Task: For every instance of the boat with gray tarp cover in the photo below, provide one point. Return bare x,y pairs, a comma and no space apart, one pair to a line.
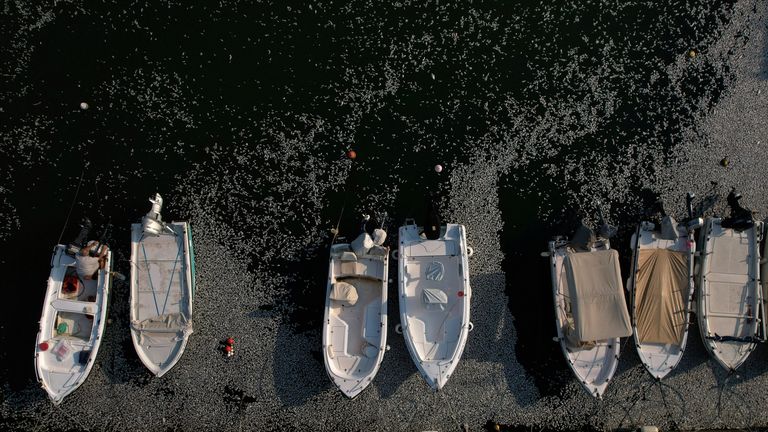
730,298
162,287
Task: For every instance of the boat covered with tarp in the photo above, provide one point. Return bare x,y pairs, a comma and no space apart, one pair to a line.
730,298
661,286
590,307
162,287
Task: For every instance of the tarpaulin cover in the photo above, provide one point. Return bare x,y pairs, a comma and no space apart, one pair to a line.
344,293
434,296
597,295
660,288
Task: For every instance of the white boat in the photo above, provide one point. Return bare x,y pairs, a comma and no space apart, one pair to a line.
730,298
355,323
162,287
71,326
434,299
591,312
661,286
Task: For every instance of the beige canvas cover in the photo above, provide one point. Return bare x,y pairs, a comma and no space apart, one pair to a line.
344,293
662,280
597,295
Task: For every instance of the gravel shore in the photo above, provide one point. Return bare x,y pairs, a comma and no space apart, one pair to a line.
260,208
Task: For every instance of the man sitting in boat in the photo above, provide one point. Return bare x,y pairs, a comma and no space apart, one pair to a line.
89,264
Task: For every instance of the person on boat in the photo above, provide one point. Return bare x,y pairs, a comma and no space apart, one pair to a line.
88,264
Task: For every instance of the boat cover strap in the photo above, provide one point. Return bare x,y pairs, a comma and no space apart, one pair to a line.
718,338
661,282
597,295
163,323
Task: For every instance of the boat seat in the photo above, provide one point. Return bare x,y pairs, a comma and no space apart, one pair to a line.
344,293
348,256
364,268
74,306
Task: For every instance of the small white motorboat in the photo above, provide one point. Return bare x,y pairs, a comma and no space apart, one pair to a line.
730,298
434,298
661,286
590,308
73,319
355,324
162,287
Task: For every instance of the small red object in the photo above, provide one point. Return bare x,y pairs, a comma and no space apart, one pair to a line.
461,293
228,348
43,346
230,341
352,154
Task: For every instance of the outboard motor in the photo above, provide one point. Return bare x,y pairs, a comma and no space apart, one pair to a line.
95,252
669,228
152,223
692,223
583,238
740,218
85,228
668,223
606,230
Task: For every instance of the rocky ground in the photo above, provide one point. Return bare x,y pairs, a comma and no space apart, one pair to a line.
241,115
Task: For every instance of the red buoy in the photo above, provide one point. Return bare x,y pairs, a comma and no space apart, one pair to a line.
228,348
352,154
461,293
43,346
230,341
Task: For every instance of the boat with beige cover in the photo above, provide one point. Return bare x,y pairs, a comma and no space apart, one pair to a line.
661,286
355,323
590,308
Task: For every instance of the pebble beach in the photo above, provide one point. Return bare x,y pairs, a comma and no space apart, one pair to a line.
242,116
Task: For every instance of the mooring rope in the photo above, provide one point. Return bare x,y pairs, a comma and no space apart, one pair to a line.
72,206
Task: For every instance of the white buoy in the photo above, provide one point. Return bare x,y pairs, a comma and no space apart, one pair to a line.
438,168
83,105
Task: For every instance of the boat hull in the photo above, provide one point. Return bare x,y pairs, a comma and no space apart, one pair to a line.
70,354
162,287
355,335
729,297
435,323
595,366
660,359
